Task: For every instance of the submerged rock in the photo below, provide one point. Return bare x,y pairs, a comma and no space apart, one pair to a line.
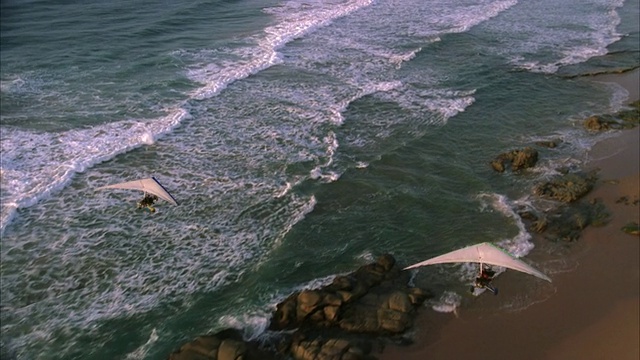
549,144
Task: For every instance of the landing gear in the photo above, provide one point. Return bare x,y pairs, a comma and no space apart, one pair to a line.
493,289
483,281
147,202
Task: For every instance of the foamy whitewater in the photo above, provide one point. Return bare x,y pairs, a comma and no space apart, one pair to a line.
302,139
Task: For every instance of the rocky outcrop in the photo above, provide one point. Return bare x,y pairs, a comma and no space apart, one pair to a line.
630,117
567,221
603,72
566,188
373,299
597,123
225,345
339,321
623,119
517,159
319,348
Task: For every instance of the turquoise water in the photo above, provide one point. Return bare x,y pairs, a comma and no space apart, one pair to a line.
301,139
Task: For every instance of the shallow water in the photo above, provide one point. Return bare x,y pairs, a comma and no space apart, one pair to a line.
301,139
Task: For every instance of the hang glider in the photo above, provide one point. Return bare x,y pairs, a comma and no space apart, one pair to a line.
149,186
484,253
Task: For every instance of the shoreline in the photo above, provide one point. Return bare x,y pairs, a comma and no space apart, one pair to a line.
590,311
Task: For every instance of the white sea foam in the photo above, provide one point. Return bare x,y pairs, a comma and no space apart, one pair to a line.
251,325
293,20
444,103
519,245
314,284
54,159
78,286
474,15
559,38
366,257
36,164
141,352
96,274
619,97
448,302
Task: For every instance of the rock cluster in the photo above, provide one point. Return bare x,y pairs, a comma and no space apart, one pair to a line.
342,320
623,119
339,321
319,348
369,300
566,188
565,222
518,159
225,345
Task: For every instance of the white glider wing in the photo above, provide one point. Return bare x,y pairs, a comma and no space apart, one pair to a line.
150,185
484,253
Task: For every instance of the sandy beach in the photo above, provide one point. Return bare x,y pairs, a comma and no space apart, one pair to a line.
591,311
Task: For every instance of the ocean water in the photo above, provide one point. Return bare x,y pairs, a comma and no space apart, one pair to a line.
301,138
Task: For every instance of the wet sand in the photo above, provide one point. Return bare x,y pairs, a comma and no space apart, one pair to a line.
590,311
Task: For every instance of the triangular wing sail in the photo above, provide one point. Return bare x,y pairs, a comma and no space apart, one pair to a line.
485,253
150,185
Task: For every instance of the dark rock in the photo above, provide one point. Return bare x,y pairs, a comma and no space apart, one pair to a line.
566,188
549,144
335,303
623,199
385,313
596,123
523,159
387,262
399,301
224,345
232,349
329,323
342,283
566,222
630,118
632,229
417,296
393,321
319,348
331,313
517,159
308,301
498,165
623,119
